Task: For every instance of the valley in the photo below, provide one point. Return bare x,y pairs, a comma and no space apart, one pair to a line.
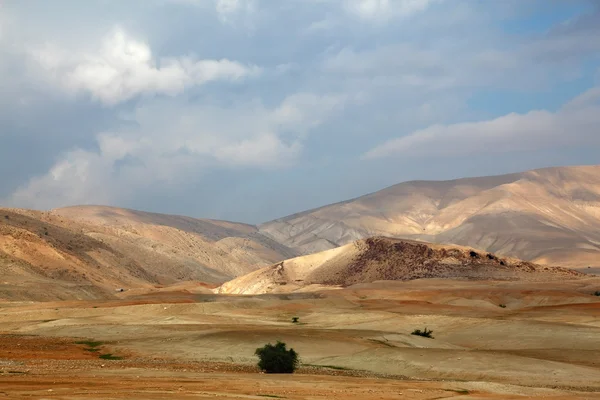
107,303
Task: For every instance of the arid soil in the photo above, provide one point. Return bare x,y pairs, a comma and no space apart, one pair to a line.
492,340
90,252
379,258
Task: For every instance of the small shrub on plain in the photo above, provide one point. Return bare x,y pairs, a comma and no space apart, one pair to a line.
424,333
277,359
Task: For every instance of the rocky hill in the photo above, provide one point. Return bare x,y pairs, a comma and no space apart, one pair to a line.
376,259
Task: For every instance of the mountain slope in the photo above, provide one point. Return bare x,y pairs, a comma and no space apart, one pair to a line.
549,216
375,259
231,248
87,252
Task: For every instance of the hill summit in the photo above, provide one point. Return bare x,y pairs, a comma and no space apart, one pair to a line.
379,258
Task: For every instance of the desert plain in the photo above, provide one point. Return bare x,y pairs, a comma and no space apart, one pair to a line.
492,340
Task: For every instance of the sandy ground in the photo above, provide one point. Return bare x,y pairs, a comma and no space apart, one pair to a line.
354,343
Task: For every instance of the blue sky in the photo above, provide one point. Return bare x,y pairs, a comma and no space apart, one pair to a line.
252,109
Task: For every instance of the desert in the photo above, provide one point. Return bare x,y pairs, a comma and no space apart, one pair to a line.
300,199
353,342
102,303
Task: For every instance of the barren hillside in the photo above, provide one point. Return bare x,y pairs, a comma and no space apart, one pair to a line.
88,252
549,216
377,259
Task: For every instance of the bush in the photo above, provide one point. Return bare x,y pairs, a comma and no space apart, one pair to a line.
276,359
295,320
502,305
425,333
597,293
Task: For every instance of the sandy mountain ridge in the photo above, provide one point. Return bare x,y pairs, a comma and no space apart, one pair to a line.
89,252
549,216
385,259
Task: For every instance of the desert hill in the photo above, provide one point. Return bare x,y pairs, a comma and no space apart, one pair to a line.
378,259
230,248
88,252
549,216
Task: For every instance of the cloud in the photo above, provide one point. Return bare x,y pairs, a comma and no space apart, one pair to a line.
589,98
262,91
574,125
394,65
123,68
227,11
173,144
456,64
228,6
364,9
385,9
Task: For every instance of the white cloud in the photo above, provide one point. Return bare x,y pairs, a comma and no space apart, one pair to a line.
228,6
574,125
2,27
227,10
385,9
174,143
417,65
76,176
265,149
123,68
587,99
394,65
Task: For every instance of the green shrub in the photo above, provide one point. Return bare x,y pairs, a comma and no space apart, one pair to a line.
277,359
597,293
424,333
295,320
502,305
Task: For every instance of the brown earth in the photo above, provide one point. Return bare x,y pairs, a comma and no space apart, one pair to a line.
503,328
89,252
549,216
379,258
354,343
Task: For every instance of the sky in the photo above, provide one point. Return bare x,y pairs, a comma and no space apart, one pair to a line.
250,110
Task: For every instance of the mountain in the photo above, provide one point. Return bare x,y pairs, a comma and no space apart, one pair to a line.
548,216
88,252
376,259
